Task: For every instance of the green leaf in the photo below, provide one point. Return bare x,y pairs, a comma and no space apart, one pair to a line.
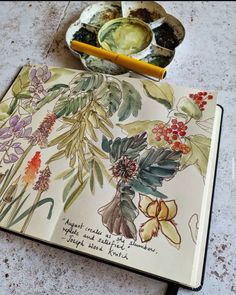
3,117
132,101
147,126
118,216
33,207
105,130
67,105
110,97
156,165
105,173
106,144
68,187
12,106
97,151
3,111
48,98
24,76
18,210
3,107
188,106
86,81
144,189
21,82
65,174
8,208
181,115
199,153
69,173
72,159
98,173
75,195
16,87
90,130
23,96
58,139
91,182
57,87
160,92
175,113
128,146
56,156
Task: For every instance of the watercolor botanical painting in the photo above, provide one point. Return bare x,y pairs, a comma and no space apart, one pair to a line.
93,126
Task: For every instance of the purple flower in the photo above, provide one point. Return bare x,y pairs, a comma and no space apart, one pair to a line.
17,129
14,120
27,132
32,74
12,158
37,79
38,76
18,150
41,74
36,96
6,135
16,144
26,121
17,125
3,145
4,130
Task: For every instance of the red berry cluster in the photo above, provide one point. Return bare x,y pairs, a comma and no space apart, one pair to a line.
173,134
180,147
201,98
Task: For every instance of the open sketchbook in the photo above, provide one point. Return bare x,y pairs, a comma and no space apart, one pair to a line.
116,168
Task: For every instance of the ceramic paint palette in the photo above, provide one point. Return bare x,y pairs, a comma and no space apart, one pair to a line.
141,29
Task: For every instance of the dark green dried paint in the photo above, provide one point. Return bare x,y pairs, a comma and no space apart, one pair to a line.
159,60
165,36
85,36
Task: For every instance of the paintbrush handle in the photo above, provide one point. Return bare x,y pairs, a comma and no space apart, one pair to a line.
127,62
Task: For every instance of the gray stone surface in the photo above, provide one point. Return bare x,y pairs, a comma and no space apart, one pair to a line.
33,32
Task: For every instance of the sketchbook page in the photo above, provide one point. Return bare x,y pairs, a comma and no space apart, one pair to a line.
141,158
30,199
206,204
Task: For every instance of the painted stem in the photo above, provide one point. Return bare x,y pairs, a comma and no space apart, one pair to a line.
14,209
29,217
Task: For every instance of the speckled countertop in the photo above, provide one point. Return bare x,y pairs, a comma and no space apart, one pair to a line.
33,32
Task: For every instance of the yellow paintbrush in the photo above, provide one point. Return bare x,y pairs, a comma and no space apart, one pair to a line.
127,62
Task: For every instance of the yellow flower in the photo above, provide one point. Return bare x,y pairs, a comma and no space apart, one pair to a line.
161,215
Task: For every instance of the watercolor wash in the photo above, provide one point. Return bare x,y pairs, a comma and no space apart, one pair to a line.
87,111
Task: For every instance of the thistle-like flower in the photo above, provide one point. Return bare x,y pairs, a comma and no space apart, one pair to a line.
42,184
41,134
32,168
125,169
